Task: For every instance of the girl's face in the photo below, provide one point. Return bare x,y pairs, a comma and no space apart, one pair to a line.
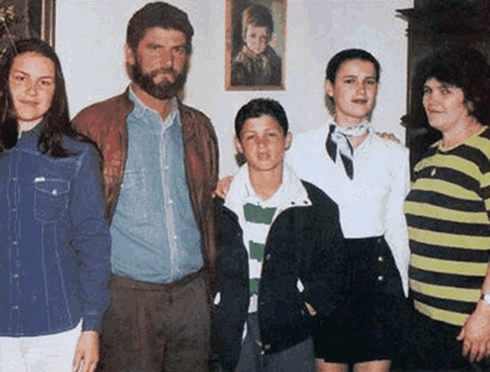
444,105
31,86
256,38
354,91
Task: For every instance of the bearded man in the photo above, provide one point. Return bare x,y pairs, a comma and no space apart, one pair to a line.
160,169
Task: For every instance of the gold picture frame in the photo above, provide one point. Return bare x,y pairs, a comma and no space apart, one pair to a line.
259,68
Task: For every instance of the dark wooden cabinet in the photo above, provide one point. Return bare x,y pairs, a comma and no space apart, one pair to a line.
435,24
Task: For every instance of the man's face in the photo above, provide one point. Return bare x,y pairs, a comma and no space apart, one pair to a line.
160,63
263,143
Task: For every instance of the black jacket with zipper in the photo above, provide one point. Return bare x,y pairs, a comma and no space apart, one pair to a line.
305,243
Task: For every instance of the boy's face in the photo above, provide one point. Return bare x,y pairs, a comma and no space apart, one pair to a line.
256,38
263,143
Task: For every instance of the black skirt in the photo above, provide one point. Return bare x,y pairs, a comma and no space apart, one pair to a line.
369,325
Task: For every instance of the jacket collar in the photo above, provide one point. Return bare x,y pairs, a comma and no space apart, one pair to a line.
30,138
290,194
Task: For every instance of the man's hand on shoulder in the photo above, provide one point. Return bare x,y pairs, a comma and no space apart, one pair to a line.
222,187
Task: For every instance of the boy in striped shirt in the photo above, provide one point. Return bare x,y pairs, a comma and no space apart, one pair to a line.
280,260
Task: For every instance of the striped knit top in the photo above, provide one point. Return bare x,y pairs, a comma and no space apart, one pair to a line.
448,214
256,217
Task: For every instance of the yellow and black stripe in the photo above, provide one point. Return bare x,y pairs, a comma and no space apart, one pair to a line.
448,213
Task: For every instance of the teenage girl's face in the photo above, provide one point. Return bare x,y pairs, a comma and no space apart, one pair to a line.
354,91
31,86
256,38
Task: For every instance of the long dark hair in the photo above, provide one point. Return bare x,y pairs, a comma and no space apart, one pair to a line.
57,118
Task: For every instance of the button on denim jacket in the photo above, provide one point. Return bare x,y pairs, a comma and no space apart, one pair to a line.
54,239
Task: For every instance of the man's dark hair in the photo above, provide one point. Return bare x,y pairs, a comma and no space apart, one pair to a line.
57,118
158,14
465,68
259,107
259,16
347,55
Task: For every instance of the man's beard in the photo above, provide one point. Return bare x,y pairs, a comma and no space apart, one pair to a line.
163,90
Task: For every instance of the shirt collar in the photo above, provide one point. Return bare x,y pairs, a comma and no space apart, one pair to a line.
354,130
32,134
371,133
141,110
291,193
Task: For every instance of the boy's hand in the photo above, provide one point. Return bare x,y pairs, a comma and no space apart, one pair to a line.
310,309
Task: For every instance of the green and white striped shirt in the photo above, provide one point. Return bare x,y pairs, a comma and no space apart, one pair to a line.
256,216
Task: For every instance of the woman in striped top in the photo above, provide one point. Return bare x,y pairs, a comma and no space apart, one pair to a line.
448,213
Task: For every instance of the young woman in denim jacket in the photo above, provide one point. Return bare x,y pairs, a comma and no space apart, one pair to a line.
54,239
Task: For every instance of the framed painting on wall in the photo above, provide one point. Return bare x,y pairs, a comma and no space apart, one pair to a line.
26,18
255,44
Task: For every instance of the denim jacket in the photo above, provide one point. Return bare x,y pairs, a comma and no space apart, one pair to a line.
54,239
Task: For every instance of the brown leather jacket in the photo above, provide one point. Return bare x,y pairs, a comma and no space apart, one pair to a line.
105,124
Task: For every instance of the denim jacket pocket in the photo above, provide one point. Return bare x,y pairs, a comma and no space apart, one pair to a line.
50,198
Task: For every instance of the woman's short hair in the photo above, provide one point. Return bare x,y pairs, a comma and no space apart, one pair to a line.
259,107
347,55
465,68
259,16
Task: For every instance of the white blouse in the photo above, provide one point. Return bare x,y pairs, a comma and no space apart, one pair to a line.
371,204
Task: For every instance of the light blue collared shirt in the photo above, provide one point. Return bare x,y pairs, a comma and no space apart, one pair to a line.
155,237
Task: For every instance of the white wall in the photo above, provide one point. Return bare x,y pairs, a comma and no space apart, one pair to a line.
90,37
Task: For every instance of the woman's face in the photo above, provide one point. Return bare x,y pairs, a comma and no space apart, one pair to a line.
354,91
31,86
444,105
